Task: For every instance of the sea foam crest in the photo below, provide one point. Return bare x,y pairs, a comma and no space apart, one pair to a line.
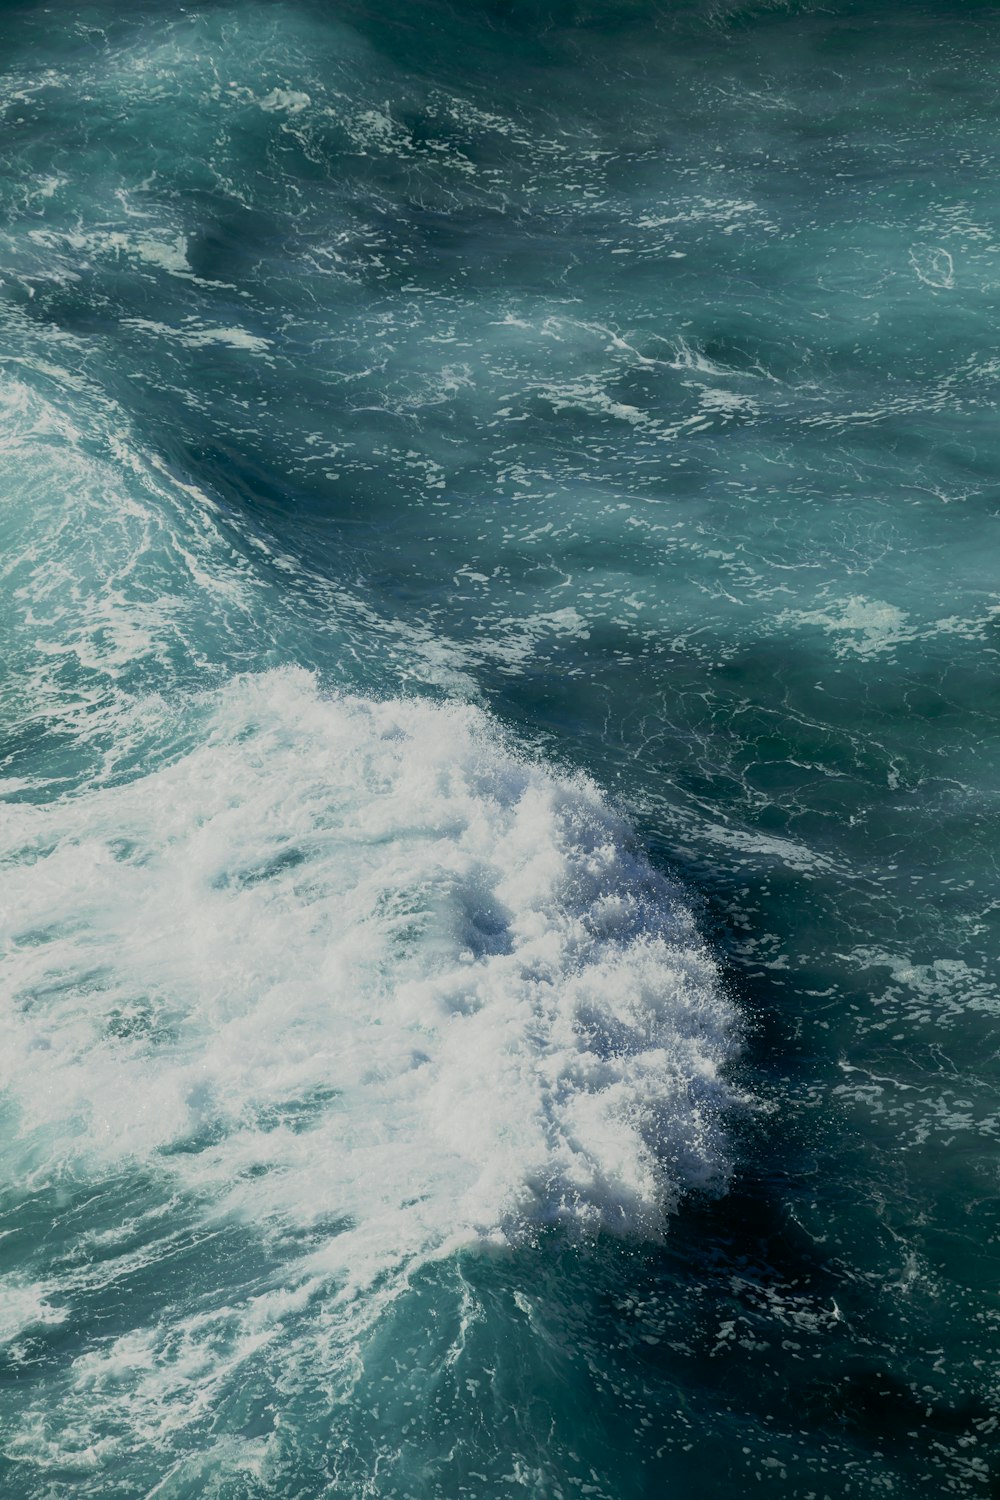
358,960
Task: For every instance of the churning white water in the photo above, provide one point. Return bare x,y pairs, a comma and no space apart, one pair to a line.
358,958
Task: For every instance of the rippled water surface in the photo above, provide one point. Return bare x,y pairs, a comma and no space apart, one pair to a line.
499,734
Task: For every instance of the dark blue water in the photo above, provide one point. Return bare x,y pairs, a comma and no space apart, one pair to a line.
499,727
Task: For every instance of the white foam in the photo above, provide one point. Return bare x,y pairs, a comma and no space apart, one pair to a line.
195,336
361,960
860,627
24,1305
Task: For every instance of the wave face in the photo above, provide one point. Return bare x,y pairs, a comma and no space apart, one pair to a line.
472,476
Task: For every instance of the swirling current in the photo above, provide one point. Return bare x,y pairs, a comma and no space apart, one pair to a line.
498,737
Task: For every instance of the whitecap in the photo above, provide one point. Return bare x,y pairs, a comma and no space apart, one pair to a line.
360,959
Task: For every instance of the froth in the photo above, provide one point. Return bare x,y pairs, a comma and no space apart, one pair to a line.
358,963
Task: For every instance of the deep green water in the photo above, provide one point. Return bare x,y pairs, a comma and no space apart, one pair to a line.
499,714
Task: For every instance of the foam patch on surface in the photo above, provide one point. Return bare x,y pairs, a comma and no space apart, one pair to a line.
359,959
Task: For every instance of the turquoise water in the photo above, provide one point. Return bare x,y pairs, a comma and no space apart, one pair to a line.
499,727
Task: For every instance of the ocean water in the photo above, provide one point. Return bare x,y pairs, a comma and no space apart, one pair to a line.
499,735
